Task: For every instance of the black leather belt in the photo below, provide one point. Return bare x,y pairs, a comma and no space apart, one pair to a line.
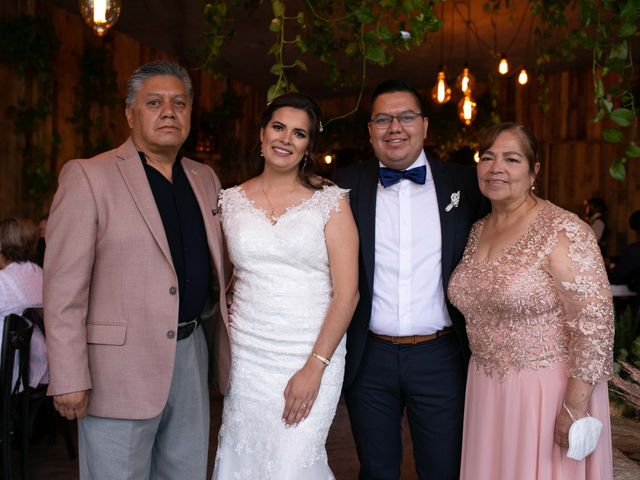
186,329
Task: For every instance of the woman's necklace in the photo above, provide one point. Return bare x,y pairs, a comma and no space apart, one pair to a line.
272,212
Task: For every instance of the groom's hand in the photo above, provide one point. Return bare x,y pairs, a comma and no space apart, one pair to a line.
72,405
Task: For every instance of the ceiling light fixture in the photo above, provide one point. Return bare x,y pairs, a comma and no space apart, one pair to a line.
503,66
441,93
467,109
100,15
523,77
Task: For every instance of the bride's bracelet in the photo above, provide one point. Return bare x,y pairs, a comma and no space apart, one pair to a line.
324,360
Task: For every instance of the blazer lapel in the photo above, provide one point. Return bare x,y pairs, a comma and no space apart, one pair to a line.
444,188
211,225
367,218
136,180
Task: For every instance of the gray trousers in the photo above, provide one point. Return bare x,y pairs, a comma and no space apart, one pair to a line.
172,446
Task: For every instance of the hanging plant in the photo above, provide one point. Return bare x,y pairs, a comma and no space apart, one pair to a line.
29,43
91,111
339,34
605,28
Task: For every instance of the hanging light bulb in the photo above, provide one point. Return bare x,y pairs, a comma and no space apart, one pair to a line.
441,93
466,82
503,67
467,109
523,78
100,15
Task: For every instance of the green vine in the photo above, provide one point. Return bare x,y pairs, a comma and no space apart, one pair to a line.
605,28
353,32
29,43
97,96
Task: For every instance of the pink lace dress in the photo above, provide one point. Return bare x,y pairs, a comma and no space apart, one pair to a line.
538,314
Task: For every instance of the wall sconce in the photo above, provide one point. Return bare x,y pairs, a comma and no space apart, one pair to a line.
100,15
328,159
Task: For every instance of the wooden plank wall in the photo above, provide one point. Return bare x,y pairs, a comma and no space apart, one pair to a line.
575,160
575,164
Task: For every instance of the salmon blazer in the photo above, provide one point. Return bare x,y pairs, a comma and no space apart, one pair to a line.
110,288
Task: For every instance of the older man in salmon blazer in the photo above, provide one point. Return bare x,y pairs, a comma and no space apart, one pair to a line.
133,304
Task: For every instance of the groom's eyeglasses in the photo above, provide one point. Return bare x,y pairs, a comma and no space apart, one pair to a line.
384,121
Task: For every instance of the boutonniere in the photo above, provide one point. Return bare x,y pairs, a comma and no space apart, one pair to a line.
455,200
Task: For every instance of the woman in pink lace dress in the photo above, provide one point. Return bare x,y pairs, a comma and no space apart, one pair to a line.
533,288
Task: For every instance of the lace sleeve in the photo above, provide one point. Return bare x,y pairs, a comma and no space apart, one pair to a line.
578,269
329,200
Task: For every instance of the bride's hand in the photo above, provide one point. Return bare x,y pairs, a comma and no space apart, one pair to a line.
301,392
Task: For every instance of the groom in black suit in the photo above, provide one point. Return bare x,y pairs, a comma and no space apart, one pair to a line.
406,345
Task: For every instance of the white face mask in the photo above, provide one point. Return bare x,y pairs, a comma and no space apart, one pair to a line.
583,436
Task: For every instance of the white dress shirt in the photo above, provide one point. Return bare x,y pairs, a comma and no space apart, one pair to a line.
408,298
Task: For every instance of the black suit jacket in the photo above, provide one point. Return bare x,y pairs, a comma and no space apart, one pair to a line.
362,180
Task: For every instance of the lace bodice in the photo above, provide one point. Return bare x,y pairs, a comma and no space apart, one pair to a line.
544,300
282,290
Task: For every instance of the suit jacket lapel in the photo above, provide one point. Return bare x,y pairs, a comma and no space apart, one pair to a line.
444,188
136,180
212,227
367,218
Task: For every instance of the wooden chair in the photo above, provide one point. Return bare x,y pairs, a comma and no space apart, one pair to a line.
14,404
40,399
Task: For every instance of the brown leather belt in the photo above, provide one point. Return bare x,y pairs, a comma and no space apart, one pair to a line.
412,339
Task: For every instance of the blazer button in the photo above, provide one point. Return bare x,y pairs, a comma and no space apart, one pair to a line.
171,334
173,290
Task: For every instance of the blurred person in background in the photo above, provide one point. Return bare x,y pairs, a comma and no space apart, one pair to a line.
21,287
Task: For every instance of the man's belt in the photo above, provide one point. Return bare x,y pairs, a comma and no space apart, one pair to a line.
412,339
186,329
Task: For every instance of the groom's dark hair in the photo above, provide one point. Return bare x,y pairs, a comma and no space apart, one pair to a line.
396,85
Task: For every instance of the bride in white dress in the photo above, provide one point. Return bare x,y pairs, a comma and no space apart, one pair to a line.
294,246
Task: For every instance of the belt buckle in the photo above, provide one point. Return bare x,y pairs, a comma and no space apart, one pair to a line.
188,328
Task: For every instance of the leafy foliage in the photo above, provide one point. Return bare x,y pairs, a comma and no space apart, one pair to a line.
605,28
96,75
340,34
30,43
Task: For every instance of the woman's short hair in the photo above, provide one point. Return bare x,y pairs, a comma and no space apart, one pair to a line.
309,166
18,239
528,141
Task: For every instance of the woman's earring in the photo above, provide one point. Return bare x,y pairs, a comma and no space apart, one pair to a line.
261,154
304,161
533,187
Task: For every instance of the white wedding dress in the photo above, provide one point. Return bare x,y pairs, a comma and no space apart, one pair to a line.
281,294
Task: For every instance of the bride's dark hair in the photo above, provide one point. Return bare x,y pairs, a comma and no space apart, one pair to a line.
308,167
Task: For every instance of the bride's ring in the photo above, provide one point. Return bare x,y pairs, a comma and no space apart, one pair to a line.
304,405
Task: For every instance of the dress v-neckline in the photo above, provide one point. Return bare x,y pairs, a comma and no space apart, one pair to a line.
263,213
503,253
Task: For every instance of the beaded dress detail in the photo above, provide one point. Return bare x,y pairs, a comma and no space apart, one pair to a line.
539,313
282,290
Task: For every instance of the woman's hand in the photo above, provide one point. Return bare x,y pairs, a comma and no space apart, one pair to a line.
561,432
577,397
301,391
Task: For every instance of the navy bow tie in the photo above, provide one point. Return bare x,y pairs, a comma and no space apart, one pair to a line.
389,176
